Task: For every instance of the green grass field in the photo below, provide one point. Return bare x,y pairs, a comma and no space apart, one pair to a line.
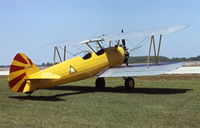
156,102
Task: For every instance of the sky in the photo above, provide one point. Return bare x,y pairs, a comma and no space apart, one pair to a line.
28,25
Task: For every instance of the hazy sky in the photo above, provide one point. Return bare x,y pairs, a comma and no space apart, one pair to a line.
26,25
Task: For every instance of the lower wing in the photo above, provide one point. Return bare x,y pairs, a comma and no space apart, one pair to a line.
140,70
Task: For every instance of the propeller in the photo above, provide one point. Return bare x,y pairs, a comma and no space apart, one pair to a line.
125,49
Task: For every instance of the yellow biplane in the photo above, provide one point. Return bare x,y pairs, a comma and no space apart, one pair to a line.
26,77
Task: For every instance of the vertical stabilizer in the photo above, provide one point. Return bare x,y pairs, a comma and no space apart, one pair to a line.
20,69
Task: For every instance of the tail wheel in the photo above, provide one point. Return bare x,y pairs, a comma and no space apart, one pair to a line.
100,83
29,93
129,83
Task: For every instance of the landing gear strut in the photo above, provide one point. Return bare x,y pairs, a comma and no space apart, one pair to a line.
100,83
129,83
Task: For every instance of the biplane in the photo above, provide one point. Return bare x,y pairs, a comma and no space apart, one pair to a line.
111,61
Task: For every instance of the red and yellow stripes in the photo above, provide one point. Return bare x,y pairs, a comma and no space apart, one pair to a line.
20,68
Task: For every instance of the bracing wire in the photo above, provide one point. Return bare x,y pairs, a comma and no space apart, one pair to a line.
139,45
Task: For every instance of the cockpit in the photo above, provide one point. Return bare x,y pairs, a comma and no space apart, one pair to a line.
99,50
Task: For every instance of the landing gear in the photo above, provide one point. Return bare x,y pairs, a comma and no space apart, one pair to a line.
129,83
100,83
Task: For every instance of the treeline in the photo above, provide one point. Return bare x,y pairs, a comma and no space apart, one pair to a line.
47,64
143,59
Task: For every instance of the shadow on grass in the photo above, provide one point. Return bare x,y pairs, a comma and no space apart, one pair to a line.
88,89
37,98
121,89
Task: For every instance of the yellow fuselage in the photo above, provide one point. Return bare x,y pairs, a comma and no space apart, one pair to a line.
78,68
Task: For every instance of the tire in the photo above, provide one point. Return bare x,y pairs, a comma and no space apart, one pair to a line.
129,83
100,83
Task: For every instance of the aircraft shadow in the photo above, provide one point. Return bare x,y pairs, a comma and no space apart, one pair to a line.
121,89
37,98
89,89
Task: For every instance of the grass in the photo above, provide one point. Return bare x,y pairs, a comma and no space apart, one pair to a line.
156,102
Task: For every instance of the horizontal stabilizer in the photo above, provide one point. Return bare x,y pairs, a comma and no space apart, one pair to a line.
140,70
44,76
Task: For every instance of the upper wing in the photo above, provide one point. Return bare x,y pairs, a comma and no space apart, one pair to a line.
139,70
141,33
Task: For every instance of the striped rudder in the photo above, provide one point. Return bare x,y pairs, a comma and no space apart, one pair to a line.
20,69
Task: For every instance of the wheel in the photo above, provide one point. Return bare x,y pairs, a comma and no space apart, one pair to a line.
100,83
129,83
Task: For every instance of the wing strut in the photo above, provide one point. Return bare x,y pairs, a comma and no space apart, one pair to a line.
156,55
54,58
56,51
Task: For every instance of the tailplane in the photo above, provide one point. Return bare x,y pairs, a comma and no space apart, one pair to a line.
20,69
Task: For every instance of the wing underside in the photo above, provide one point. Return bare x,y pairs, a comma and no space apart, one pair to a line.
140,70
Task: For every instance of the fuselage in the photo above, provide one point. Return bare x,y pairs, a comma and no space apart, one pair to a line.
79,68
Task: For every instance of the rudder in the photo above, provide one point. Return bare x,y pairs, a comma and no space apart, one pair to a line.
20,69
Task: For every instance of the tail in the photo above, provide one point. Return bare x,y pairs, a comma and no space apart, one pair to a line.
20,69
